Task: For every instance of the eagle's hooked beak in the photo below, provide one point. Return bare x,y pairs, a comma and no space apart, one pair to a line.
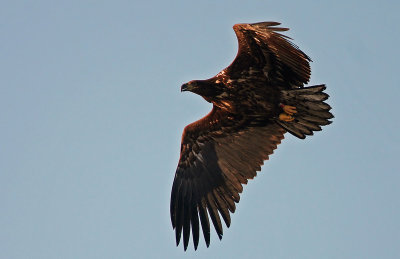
186,87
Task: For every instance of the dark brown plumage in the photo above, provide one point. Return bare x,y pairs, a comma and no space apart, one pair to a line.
221,151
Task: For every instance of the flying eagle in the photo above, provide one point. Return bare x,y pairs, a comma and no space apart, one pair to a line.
256,100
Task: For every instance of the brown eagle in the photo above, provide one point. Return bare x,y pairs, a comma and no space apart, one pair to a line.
256,100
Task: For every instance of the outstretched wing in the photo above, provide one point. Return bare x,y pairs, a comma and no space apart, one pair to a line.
265,54
219,153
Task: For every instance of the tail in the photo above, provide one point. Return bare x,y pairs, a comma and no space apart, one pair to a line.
312,111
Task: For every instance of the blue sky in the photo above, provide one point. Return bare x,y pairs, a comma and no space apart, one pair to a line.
91,116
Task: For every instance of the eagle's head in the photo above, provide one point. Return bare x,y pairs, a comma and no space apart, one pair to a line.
190,86
205,88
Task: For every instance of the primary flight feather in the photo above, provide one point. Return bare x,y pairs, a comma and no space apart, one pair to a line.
256,100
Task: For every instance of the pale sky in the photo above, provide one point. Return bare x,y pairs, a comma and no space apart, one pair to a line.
91,117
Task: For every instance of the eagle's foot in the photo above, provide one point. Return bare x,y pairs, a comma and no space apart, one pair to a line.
286,117
289,109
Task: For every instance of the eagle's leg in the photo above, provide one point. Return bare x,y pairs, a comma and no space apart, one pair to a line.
288,111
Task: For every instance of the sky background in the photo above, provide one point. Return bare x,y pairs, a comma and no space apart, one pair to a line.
91,117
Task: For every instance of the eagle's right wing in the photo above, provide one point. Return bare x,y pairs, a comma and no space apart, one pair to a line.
219,153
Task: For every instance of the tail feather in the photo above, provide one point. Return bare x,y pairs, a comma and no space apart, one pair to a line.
318,97
312,111
310,125
314,106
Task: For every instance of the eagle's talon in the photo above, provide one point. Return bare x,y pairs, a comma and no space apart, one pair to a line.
289,109
286,117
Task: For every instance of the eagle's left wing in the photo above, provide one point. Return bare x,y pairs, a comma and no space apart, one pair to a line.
219,153
267,57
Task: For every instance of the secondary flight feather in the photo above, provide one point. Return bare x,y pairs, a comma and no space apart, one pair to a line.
256,100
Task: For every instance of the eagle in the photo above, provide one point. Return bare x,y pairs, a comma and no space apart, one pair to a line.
258,98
